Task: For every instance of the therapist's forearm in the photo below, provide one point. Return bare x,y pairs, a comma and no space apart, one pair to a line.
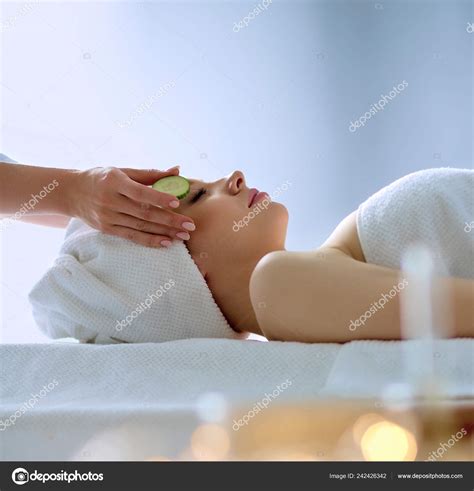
57,221
27,190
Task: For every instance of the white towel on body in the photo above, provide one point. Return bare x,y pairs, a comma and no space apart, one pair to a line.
432,207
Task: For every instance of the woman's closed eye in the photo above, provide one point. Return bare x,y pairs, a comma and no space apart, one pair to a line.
198,195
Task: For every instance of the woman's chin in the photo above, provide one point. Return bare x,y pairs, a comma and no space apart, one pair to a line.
281,213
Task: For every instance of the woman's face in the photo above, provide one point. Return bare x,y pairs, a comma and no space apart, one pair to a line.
235,225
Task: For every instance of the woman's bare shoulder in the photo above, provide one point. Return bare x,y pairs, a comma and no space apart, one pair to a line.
285,288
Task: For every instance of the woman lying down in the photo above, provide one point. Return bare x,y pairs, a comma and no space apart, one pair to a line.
235,276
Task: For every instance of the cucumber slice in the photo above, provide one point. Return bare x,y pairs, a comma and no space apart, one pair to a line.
176,185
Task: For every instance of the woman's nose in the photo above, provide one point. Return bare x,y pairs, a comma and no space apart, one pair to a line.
236,182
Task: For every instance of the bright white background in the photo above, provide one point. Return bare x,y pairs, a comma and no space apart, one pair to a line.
274,100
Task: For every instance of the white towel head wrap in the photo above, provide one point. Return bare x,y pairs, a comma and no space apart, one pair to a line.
104,289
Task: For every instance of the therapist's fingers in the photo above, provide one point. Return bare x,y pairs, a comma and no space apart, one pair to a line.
101,193
149,227
142,238
150,176
154,214
143,194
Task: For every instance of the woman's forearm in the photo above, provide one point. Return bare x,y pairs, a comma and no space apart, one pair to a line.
27,190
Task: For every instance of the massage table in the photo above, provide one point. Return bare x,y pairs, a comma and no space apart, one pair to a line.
181,400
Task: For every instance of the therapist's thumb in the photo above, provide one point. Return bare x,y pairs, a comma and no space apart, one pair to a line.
150,176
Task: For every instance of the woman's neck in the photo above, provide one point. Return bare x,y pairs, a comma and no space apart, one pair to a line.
234,298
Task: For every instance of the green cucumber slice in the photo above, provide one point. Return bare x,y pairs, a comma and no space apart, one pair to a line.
176,185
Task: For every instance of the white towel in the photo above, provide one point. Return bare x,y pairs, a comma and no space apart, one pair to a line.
105,289
368,368
145,396
433,207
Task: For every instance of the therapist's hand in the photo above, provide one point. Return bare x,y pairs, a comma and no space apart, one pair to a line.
119,202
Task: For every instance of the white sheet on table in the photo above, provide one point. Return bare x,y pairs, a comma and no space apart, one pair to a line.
141,398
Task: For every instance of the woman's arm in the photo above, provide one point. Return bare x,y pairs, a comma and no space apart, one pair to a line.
323,296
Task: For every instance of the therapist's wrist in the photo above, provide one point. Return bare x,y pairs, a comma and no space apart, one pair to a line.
69,184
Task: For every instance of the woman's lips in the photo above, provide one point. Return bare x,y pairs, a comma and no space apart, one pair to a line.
252,193
255,196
